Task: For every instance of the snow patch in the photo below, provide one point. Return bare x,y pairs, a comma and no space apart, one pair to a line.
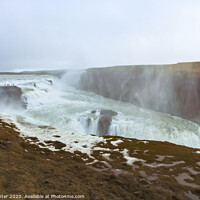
115,143
74,142
130,160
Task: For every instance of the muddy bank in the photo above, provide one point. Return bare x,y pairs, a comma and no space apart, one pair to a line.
118,169
172,89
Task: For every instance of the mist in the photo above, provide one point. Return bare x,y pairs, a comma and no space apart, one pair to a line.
48,34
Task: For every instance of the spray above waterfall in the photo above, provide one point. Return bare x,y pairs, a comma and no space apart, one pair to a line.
71,78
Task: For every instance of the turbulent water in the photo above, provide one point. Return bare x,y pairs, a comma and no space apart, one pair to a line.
62,106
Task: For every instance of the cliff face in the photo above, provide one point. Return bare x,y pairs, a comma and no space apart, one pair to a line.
11,97
173,89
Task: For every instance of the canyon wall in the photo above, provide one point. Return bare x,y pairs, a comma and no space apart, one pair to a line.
173,89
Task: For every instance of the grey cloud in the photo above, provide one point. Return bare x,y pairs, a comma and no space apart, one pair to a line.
52,34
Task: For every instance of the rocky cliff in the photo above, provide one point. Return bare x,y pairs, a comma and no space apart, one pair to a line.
11,97
173,89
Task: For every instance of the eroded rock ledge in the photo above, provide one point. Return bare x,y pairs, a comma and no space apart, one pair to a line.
11,97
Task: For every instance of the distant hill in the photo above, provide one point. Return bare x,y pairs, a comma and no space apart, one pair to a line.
57,73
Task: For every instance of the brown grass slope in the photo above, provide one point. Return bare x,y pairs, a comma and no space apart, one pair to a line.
27,169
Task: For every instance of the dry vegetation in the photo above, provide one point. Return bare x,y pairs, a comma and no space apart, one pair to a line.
27,169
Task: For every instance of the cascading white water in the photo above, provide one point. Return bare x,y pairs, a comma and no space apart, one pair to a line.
62,106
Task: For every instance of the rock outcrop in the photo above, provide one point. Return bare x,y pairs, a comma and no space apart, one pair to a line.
105,121
108,113
11,97
173,89
104,125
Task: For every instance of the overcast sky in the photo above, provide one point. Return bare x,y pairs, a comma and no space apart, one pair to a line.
57,34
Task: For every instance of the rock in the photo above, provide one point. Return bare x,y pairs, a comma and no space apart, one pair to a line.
50,81
56,136
105,121
93,111
104,125
109,113
11,96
